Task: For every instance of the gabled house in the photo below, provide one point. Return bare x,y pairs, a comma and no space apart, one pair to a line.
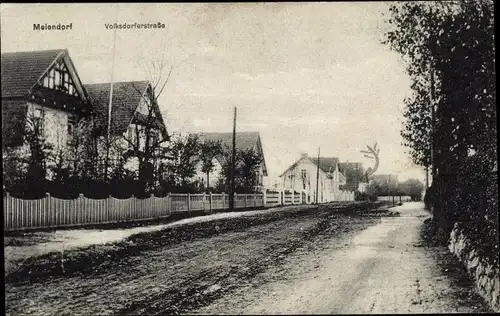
301,176
43,87
244,141
134,113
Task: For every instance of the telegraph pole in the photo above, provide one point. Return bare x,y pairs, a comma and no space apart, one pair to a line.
317,178
106,163
390,189
426,177
233,164
356,178
432,100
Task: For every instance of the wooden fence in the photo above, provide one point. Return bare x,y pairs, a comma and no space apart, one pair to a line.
53,212
50,212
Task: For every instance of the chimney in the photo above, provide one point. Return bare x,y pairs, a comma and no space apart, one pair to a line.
303,155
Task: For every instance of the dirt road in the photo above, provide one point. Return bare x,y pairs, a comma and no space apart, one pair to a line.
302,260
383,269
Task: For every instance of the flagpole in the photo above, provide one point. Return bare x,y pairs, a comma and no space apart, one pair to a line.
110,105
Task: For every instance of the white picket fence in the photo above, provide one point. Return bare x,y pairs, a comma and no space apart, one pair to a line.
396,198
50,212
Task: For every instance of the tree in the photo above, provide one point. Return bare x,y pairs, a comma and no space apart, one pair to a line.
38,155
246,175
373,154
182,163
209,150
413,188
248,169
449,50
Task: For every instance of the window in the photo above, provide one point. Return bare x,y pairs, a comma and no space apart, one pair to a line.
37,113
37,118
132,137
71,127
303,173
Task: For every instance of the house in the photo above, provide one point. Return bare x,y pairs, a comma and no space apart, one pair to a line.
134,112
355,175
244,141
301,176
40,90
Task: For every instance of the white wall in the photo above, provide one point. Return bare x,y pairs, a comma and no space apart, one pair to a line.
327,187
214,175
55,124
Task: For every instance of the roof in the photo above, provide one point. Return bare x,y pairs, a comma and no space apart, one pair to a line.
127,97
21,70
326,164
244,141
351,167
13,120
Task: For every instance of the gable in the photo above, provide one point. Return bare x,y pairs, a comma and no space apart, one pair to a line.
127,97
302,160
21,70
58,77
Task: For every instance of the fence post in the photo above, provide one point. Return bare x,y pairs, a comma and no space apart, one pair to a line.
204,201
223,200
210,202
246,197
49,207
189,202
293,196
264,202
169,203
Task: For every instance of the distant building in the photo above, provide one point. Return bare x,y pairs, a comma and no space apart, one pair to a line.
301,176
244,141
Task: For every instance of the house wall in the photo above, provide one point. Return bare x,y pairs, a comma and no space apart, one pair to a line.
292,180
213,177
55,124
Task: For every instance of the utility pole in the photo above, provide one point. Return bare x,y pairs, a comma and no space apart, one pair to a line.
233,164
110,105
356,178
317,178
426,177
390,190
432,101
433,140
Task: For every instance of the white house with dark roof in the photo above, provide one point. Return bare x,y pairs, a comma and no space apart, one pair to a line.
41,86
301,176
244,141
134,106
41,91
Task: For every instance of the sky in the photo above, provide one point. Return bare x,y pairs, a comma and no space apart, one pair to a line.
304,75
